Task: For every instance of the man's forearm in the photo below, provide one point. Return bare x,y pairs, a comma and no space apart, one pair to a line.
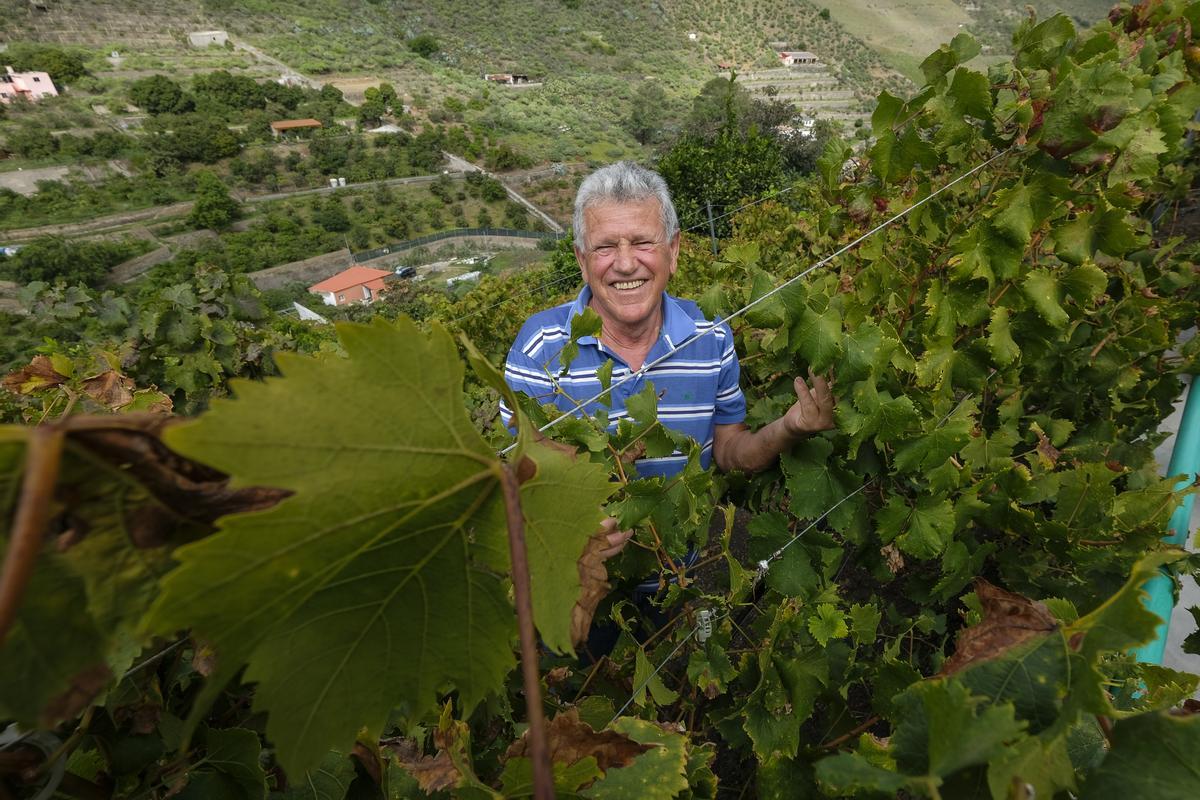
753,451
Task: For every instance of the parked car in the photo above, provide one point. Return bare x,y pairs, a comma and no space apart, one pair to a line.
405,272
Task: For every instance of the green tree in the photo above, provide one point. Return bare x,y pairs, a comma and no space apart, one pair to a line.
372,111
158,94
223,89
63,65
424,45
720,105
331,215
649,112
31,141
724,171
213,208
53,259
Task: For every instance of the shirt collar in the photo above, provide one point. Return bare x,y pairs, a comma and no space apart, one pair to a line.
677,326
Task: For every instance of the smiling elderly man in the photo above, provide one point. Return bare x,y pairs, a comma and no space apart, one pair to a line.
627,246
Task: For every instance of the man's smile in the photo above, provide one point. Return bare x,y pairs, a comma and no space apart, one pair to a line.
627,285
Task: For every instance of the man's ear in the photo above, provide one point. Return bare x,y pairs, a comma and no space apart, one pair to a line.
674,250
579,259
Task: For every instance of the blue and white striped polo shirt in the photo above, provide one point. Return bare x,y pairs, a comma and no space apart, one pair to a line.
698,388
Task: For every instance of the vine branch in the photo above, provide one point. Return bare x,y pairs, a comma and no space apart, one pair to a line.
543,778
43,456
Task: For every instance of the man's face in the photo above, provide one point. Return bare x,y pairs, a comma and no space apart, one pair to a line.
626,260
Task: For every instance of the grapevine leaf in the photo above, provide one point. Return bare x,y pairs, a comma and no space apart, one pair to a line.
932,449
960,49
864,622
658,774
643,675
517,779
1119,623
570,739
887,110
783,700
1152,755
371,577
849,773
1000,342
1016,219
791,574
53,660
868,351
925,528
811,480
1042,290
230,768
582,325
943,729
554,529
1044,765
770,313
1085,282
710,669
1078,240
1008,621
1085,496
828,623
1140,148
330,780
972,93
818,338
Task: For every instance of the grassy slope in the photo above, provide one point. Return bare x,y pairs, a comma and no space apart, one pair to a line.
903,32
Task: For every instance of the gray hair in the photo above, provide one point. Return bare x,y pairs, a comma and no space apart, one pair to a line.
623,182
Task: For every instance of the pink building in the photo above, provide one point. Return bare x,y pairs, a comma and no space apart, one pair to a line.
30,85
354,285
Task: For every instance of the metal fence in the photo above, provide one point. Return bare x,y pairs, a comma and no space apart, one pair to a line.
379,252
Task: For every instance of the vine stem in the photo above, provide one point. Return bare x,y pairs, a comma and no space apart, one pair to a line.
539,752
43,456
841,740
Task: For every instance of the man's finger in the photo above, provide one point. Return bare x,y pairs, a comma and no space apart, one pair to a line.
805,398
821,392
619,537
608,525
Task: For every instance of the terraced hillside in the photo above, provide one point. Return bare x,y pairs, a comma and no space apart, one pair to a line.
590,57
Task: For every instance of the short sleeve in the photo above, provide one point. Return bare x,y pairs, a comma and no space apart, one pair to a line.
526,376
731,403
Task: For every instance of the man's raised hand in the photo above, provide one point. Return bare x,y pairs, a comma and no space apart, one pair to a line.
813,410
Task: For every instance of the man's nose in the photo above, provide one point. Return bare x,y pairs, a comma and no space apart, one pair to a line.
625,260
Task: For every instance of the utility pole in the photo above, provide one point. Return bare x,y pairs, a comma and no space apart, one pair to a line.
712,228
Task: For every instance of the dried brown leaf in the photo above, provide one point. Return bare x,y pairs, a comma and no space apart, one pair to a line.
895,561
593,586
1008,620
110,389
1048,452
204,659
131,443
570,740
558,676
432,773
38,374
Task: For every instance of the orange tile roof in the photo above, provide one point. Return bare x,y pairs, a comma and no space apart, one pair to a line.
288,124
348,279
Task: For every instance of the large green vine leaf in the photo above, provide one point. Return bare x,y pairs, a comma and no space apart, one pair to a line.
1152,755
378,583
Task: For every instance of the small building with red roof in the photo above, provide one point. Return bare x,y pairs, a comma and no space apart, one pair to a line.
354,285
282,127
